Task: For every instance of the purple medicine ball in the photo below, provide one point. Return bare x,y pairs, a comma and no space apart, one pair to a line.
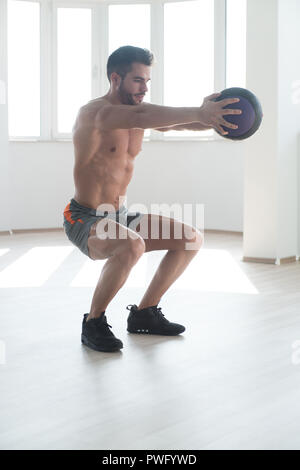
249,121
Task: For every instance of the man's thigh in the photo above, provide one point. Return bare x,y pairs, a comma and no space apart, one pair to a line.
163,233
107,238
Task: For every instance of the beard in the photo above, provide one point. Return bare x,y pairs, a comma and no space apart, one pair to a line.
125,97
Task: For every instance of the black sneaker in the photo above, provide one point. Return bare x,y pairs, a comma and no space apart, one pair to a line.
151,321
97,335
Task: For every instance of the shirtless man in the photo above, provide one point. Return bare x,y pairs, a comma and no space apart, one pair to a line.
107,137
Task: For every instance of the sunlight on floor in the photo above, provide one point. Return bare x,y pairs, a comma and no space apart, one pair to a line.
34,267
210,271
215,271
90,273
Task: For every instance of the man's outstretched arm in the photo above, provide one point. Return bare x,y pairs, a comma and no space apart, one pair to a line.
192,126
152,116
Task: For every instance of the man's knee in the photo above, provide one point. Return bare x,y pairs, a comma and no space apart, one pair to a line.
195,239
132,249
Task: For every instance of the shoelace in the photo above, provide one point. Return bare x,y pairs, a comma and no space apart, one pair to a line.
130,306
134,307
106,324
156,310
159,314
102,322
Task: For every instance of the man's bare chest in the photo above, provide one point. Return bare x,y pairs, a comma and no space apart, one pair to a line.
123,141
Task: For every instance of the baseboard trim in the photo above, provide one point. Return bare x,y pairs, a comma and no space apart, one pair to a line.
249,259
290,259
222,232
32,230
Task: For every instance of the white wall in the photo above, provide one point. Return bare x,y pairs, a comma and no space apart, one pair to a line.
288,126
209,173
257,178
271,158
260,229
5,190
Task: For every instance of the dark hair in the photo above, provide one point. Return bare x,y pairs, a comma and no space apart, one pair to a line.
121,59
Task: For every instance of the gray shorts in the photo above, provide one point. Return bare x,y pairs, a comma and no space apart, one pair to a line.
78,220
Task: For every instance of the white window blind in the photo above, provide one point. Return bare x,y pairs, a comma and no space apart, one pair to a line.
74,51
236,15
23,72
188,56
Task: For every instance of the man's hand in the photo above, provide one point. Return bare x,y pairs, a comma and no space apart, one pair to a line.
212,112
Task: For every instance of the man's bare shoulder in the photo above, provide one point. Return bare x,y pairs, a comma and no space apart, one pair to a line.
94,106
87,113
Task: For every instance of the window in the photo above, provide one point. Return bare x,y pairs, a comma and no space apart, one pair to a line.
188,56
130,25
23,68
236,15
58,50
74,65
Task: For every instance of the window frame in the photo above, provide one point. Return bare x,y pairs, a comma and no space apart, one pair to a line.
67,4
99,85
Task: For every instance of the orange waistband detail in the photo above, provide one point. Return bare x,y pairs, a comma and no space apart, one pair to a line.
68,214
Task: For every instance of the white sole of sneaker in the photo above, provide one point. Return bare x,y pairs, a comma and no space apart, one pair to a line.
147,332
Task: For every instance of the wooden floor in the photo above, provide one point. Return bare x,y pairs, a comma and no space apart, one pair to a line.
230,381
